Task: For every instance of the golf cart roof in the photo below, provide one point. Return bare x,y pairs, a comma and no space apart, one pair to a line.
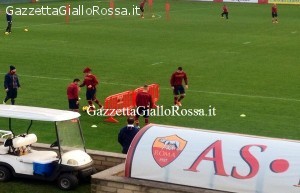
36,113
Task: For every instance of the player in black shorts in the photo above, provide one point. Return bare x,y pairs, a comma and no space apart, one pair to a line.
142,8
9,21
224,12
144,103
73,95
274,14
91,82
142,111
176,83
74,105
178,90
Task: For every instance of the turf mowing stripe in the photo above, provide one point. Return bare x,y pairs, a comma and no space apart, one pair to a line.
164,88
58,23
77,21
84,20
249,96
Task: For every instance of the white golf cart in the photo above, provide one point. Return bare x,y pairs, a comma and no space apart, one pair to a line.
68,161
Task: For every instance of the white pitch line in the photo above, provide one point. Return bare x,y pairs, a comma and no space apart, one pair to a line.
293,32
156,63
42,77
249,96
165,88
246,43
159,16
153,18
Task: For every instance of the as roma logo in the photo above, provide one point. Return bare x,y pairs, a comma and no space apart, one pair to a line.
167,149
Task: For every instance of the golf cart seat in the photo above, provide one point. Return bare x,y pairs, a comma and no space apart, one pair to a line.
32,155
38,156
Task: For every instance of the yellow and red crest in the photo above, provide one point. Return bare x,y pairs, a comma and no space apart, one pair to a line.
166,149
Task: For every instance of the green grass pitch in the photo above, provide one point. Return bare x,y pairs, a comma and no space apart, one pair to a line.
244,65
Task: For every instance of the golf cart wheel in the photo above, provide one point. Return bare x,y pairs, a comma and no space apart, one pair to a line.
67,181
5,174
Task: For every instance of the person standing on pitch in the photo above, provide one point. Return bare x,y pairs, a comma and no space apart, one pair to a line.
176,84
142,4
150,5
167,8
144,103
90,81
73,95
127,134
11,85
9,21
225,12
274,13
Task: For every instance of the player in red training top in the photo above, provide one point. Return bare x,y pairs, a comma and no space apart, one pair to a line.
176,84
144,103
142,4
274,13
225,12
90,81
150,5
73,95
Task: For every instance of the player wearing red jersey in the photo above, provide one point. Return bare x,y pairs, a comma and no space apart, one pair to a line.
73,95
274,13
224,12
167,9
176,84
144,103
142,4
90,81
150,5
